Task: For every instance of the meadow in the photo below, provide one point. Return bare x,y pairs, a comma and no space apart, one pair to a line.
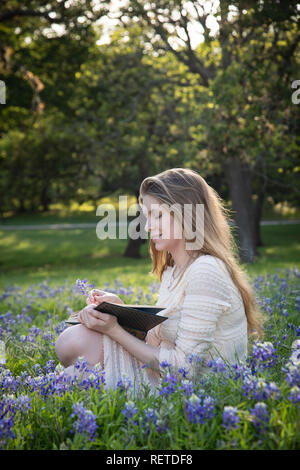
252,405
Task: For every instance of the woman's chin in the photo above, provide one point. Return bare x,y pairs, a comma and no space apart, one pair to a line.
159,244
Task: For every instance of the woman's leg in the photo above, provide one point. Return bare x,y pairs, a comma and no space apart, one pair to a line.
76,341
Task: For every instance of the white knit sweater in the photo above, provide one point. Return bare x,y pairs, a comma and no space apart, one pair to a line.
206,318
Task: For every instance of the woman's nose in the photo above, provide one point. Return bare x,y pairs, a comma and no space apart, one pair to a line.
149,226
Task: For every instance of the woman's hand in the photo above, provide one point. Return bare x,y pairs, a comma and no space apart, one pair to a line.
98,321
96,296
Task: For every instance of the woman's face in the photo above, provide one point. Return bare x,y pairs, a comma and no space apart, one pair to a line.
164,229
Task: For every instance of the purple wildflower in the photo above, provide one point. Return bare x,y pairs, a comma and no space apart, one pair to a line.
294,395
83,286
230,417
130,412
124,383
165,364
292,367
260,415
263,355
217,365
169,384
152,416
199,409
6,422
264,390
85,422
183,371
187,387
194,357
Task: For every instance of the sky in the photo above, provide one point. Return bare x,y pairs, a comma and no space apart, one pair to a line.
195,29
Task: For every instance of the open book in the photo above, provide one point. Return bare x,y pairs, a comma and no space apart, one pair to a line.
136,319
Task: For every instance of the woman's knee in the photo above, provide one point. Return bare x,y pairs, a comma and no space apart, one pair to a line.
78,340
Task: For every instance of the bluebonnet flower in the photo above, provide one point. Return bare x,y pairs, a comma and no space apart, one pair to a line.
260,415
124,383
199,409
264,390
183,371
230,417
249,384
130,412
85,422
187,387
152,416
37,369
83,286
294,395
297,303
81,364
6,422
21,403
8,382
194,357
283,284
165,364
169,384
217,365
9,405
292,367
263,355
239,370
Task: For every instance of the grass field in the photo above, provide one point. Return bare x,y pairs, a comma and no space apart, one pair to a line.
32,256
253,406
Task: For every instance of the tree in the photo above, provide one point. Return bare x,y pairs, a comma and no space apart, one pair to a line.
43,45
221,64
136,115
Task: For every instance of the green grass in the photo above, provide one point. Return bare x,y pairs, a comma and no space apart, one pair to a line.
32,256
40,402
29,258
281,249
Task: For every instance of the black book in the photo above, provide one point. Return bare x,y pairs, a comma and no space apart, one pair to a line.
136,319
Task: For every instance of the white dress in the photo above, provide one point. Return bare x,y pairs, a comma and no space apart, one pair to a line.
206,318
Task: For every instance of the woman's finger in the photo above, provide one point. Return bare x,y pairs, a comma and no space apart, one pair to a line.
98,292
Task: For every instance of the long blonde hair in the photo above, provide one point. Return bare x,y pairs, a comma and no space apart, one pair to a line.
185,186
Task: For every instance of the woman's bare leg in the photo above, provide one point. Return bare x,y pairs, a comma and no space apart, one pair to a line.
76,341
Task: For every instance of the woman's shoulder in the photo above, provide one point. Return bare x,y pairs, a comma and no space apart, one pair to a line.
207,260
209,276
208,265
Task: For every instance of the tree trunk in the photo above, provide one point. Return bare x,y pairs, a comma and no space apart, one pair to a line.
238,176
258,213
133,247
44,198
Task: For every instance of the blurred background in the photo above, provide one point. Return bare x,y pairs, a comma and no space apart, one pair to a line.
97,95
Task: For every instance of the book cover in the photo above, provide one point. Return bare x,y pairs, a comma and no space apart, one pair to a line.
136,319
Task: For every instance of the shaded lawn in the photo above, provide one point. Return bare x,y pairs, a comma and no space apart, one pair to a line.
33,256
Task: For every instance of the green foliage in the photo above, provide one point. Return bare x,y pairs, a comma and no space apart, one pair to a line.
29,334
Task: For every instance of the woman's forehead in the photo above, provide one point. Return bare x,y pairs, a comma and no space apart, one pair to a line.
150,203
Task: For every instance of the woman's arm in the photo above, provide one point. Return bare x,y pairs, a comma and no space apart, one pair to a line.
108,324
207,297
145,353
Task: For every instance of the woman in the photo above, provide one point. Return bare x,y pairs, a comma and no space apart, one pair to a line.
209,303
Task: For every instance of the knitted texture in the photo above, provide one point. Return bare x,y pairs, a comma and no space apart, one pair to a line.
206,318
